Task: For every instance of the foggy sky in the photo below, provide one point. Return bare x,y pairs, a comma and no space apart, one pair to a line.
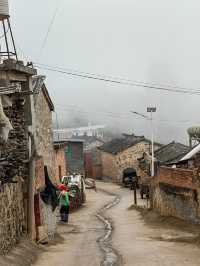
154,41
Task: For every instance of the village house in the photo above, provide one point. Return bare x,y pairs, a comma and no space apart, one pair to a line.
176,186
165,155
92,159
123,153
74,155
26,148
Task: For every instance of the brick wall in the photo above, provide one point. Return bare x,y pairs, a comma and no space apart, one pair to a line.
60,163
175,192
177,177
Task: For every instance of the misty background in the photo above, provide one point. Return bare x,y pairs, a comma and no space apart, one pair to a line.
151,41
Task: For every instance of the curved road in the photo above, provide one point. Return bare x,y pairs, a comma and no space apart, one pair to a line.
106,232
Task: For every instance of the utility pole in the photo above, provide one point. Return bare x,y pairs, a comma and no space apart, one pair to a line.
152,110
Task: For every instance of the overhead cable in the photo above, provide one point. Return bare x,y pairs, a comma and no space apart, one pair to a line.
119,81
119,78
76,109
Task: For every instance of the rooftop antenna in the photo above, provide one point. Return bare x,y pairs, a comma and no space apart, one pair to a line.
8,39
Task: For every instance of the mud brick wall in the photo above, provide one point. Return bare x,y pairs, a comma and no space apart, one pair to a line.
60,162
13,167
109,166
176,192
45,152
44,132
39,174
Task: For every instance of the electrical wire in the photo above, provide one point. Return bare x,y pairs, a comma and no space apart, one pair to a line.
50,27
71,108
118,78
118,81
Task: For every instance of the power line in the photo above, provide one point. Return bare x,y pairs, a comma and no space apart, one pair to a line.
118,78
70,108
50,27
118,81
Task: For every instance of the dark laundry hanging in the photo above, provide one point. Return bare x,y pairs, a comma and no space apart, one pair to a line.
49,194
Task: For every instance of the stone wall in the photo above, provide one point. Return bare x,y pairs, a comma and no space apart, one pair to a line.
176,192
12,223
14,168
14,154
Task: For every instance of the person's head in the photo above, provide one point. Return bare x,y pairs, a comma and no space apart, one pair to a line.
62,187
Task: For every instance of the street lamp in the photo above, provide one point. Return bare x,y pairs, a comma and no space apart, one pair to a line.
150,110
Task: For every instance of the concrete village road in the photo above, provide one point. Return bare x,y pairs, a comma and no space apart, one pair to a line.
88,241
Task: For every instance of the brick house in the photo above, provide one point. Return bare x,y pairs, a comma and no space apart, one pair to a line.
123,153
92,161
74,155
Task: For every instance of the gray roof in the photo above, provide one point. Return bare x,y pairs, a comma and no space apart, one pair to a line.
171,153
118,145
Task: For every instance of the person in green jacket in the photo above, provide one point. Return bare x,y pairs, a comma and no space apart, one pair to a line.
64,206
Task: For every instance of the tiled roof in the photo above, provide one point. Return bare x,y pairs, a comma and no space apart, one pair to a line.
171,153
118,145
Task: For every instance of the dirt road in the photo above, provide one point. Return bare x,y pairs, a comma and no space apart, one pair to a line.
118,235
